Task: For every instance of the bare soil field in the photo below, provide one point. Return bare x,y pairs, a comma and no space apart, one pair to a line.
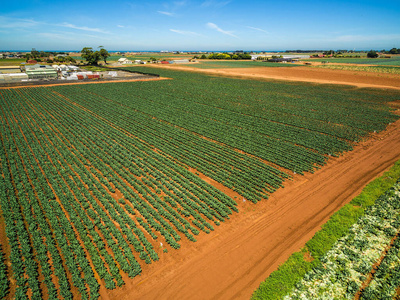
231,262
305,74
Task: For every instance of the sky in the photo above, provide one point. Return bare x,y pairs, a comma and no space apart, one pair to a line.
207,25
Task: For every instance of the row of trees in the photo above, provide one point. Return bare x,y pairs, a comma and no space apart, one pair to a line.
224,55
392,51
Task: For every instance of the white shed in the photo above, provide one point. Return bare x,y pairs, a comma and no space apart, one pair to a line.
124,60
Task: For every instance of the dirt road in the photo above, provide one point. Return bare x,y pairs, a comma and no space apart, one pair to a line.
232,261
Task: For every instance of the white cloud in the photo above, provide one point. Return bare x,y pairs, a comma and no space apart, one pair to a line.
184,32
121,26
214,26
258,29
6,22
68,25
170,14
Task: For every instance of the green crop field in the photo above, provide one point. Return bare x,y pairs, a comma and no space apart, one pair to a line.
393,61
370,244
215,64
12,61
361,68
99,179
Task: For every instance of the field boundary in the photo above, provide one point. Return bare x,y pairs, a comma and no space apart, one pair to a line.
283,280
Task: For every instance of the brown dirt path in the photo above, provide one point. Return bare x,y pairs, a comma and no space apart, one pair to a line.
304,74
232,261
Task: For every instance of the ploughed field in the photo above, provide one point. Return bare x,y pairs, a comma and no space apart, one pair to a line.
99,180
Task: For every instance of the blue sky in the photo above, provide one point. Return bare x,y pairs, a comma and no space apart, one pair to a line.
199,25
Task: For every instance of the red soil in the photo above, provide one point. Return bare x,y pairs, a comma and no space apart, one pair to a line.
232,261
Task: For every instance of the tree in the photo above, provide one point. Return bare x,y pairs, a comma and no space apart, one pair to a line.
372,54
92,57
28,56
104,54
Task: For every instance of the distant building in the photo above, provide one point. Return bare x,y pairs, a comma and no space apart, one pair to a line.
41,72
181,61
124,61
280,59
255,56
13,77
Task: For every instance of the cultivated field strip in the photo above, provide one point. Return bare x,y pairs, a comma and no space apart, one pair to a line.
372,241
96,177
342,112
216,161
78,180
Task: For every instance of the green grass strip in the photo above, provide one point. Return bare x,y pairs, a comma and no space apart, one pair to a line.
283,280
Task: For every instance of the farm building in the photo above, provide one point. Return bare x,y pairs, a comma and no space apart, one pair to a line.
41,72
181,61
124,61
280,59
13,77
65,68
10,69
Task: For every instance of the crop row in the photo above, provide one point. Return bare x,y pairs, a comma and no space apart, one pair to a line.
224,164
386,279
63,169
341,112
4,283
346,266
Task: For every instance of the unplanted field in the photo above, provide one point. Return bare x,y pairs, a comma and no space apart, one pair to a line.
103,180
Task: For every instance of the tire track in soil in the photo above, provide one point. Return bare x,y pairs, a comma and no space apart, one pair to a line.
232,262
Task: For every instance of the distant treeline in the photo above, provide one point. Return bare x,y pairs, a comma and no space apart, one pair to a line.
391,51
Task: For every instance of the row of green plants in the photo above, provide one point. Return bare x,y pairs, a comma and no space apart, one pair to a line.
4,282
346,266
386,280
220,162
343,112
392,61
373,69
312,259
216,64
76,164
97,176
